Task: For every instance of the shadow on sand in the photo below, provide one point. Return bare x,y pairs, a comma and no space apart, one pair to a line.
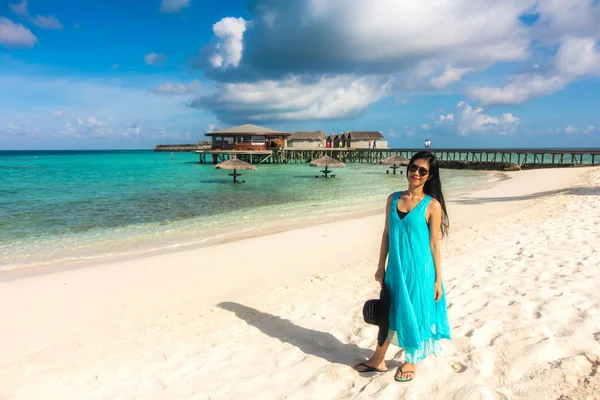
580,191
319,344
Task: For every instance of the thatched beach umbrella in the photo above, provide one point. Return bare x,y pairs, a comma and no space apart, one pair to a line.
395,161
326,162
235,164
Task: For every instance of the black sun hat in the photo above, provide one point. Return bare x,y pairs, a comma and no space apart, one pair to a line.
377,312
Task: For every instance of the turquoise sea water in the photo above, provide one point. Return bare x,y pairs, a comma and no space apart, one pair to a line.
81,205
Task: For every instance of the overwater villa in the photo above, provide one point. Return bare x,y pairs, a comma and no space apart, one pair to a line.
306,140
248,138
356,140
257,145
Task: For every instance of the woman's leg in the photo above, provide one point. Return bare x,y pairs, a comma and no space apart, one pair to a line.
377,360
406,372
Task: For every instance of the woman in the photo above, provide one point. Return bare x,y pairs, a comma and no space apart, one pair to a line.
415,220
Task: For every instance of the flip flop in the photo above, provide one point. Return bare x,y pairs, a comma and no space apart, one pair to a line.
400,379
368,368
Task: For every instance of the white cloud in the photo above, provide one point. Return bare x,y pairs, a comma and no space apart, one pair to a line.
40,21
575,57
20,9
293,99
591,129
85,128
115,66
425,126
392,133
445,118
474,120
448,77
160,133
11,129
519,89
157,60
47,22
212,127
178,88
386,35
228,49
172,6
133,130
76,26
408,132
424,45
59,113
578,56
14,35
570,129
572,17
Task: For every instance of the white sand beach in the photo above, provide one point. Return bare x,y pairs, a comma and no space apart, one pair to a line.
280,316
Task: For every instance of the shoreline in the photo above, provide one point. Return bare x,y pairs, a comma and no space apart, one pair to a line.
16,271
522,304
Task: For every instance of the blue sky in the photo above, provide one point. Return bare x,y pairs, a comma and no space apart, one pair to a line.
477,73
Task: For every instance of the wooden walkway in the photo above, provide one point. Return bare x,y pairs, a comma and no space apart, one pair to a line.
522,157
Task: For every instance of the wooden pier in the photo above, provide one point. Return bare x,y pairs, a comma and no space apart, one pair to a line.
478,158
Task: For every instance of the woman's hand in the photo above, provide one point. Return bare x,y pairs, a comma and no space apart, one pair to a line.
437,290
379,275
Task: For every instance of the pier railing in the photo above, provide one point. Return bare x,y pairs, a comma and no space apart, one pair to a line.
521,157
450,158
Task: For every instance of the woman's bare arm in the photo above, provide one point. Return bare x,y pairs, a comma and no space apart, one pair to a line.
435,227
383,252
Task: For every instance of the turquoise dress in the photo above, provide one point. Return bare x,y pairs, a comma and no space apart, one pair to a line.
417,322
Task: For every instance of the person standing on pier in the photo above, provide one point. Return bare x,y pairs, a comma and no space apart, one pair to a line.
415,220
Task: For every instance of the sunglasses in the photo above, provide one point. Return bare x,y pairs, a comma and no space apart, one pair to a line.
415,168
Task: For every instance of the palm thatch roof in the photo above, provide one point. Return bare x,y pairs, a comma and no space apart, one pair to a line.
235,163
340,136
364,135
326,161
395,160
307,135
248,130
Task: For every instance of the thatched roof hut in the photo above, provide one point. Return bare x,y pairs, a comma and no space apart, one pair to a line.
247,137
395,160
306,140
247,130
235,164
364,135
307,135
326,161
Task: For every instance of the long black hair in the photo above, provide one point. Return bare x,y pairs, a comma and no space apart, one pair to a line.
433,186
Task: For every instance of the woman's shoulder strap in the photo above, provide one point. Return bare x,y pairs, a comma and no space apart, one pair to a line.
427,200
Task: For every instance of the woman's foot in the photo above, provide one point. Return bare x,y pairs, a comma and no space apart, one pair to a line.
371,365
406,372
